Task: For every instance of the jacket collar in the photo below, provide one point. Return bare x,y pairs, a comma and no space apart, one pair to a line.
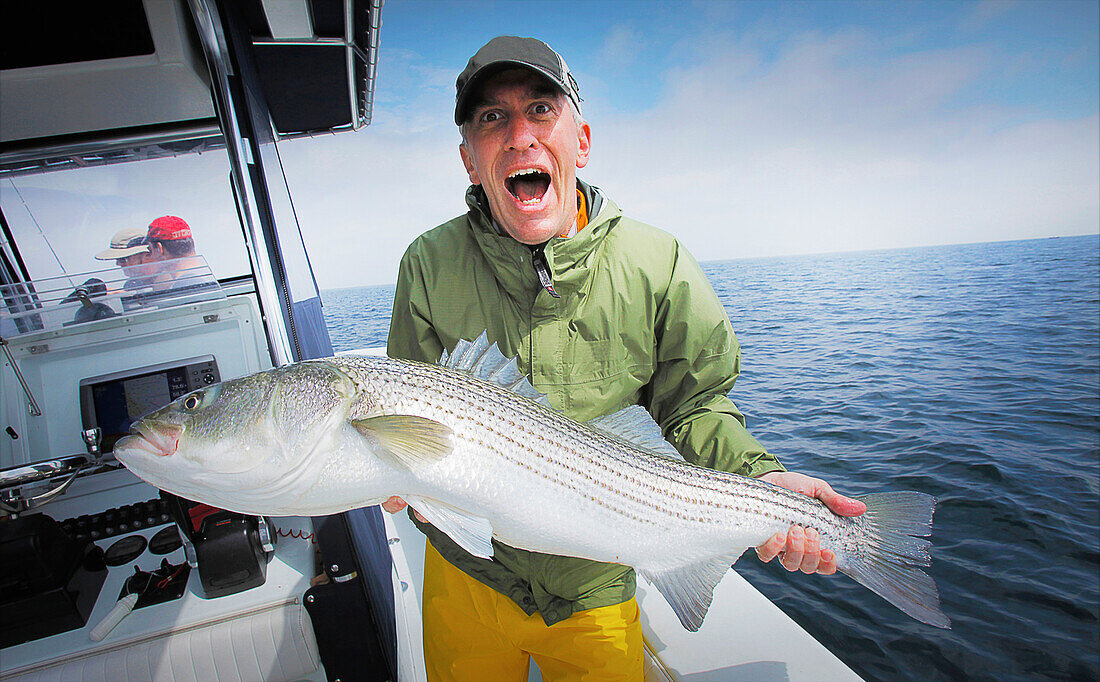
569,259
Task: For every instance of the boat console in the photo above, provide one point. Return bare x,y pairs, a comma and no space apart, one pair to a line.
102,571
110,115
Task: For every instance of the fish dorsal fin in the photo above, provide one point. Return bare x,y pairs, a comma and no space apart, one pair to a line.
406,440
634,425
689,590
472,533
467,353
484,360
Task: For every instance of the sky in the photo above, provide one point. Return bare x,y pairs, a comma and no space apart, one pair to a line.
745,129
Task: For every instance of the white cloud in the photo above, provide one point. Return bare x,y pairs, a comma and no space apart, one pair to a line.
376,194
986,12
622,47
835,142
833,147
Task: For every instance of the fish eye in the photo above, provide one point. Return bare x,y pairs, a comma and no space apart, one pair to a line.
192,401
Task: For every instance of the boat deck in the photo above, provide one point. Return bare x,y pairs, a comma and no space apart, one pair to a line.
745,636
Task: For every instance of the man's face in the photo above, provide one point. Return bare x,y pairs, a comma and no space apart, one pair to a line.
127,262
524,147
157,253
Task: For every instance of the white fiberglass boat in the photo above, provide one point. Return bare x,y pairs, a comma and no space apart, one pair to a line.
112,114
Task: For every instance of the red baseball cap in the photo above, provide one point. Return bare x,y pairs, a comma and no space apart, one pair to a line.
168,227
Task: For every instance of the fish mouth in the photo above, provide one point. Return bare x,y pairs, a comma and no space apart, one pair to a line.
528,185
154,438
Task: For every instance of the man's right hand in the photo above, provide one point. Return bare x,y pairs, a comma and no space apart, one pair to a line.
396,504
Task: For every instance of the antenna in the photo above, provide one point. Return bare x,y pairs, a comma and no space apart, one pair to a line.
40,232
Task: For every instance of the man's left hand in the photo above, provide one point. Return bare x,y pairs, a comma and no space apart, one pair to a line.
799,549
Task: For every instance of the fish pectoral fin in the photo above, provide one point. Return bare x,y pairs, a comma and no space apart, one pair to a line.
690,589
472,533
406,440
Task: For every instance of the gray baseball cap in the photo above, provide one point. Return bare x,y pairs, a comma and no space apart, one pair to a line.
504,52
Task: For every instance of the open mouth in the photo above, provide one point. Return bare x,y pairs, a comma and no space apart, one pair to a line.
528,185
160,440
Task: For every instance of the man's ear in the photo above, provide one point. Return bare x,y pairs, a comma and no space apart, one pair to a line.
475,179
584,137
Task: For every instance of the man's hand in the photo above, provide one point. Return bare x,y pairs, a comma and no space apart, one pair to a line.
396,504
799,549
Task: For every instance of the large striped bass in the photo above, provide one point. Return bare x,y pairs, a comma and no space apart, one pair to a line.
474,448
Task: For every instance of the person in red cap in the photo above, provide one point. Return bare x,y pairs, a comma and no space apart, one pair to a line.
169,237
171,245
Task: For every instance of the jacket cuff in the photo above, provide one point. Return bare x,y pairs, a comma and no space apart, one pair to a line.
764,465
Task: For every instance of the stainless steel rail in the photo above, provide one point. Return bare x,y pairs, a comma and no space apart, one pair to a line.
32,403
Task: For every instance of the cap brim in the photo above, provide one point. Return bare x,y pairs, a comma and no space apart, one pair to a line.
115,254
462,102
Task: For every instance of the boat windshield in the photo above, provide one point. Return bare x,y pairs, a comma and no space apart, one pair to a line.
63,222
56,302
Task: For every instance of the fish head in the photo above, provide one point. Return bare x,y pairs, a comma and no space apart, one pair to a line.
243,441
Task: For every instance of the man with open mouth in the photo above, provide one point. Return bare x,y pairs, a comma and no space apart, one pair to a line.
602,312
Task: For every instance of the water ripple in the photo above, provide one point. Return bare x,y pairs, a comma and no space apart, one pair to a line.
971,373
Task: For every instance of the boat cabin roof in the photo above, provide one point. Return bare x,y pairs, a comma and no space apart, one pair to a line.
94,83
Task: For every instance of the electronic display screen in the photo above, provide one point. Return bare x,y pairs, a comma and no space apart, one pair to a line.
120,403
115,403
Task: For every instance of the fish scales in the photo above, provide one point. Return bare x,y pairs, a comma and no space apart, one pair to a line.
609,457
495,412
473,447
595,461
629,485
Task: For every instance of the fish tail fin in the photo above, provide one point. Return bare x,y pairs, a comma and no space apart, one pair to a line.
891,551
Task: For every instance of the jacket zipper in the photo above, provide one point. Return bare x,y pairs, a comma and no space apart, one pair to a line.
542,269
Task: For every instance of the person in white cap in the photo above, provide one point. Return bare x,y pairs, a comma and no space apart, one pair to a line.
128,250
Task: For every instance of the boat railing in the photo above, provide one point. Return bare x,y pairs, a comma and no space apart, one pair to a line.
56,303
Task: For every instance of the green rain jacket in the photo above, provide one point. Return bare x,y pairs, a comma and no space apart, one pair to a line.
636,323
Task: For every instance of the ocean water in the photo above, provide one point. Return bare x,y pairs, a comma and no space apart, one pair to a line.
968,372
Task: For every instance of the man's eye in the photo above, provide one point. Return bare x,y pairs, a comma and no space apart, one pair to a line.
541,108
490,116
